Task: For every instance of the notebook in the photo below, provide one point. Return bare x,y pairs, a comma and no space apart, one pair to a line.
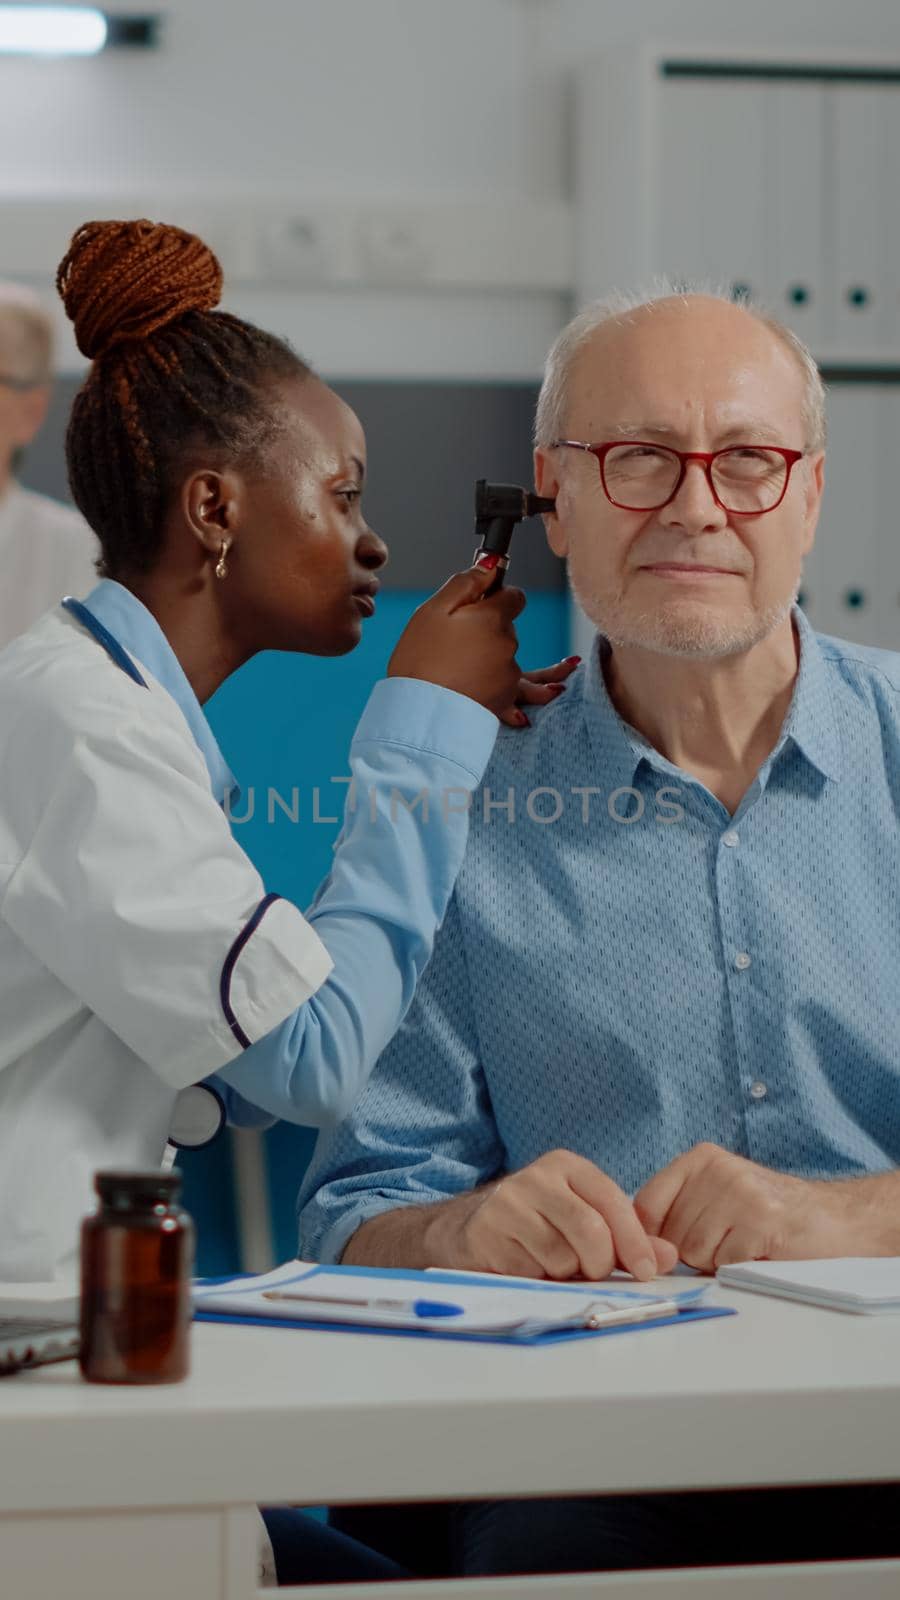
439,1304
866,1284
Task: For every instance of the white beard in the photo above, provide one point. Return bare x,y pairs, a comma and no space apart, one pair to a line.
677,630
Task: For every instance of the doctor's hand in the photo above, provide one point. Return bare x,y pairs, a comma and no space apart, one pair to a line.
459,644
539,689
716,1207
559,1218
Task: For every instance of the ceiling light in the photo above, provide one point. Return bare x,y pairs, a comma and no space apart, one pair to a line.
36,30
51,30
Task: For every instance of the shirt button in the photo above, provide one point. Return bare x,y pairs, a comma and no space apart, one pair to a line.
742,961
758,1090
731,838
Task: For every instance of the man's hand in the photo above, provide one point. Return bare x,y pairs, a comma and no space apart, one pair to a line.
715,1207
559,1218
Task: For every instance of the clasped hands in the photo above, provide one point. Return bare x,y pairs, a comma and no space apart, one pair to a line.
561,1217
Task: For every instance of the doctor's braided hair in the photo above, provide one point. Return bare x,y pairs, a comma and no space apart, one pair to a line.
169,372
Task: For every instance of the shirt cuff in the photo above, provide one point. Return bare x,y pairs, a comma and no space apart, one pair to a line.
430,719
333,1240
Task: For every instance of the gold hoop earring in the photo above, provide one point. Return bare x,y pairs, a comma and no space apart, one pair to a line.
221,564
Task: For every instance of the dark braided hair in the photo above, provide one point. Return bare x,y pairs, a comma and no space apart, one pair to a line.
168,372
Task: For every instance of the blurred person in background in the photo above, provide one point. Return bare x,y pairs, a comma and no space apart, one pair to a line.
46,549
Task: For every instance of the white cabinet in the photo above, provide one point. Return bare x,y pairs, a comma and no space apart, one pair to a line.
788,192
841,581
861,309
740,192
710,217
786,188
851,585
795,285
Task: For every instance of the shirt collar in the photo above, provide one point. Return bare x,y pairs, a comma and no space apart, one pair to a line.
138,631
619,747
10,496
810,722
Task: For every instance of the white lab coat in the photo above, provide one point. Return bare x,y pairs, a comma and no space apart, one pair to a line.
122,893
46,551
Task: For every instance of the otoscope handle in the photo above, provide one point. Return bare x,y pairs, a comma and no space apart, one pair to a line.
498,509
499,575
488,547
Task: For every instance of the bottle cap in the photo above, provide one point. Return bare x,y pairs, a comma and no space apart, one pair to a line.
137,1188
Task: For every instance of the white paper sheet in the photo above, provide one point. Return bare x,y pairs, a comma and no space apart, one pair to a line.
390,1302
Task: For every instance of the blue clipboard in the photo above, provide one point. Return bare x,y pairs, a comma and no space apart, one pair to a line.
691,1312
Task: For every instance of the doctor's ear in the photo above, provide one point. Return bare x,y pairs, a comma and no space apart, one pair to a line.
211,506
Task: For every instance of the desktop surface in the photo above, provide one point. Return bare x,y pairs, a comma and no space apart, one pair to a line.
781,1393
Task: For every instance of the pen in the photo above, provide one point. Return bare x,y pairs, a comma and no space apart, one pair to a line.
410,1308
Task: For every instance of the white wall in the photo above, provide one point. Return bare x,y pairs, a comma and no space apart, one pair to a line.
364,101
344,100
344,97
567,29
324,97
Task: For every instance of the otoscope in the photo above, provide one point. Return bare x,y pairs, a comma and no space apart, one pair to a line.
498,507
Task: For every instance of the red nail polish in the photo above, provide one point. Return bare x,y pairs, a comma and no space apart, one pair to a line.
557,688
572,661
487,563
523,720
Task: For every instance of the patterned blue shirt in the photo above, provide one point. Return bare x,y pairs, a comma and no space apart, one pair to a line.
626,969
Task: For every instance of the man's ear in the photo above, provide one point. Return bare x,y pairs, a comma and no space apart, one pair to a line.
211,504
814,490
547,486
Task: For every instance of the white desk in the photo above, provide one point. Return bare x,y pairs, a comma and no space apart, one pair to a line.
147,1493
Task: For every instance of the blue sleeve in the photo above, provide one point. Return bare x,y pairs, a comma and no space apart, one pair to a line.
417,756
239,1113
424,1128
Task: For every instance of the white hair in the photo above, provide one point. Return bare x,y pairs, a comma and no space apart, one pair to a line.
550,418
26,335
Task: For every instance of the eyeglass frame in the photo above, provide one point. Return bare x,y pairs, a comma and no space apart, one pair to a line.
601,451
21,385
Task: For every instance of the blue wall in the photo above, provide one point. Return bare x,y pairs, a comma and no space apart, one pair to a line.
285,723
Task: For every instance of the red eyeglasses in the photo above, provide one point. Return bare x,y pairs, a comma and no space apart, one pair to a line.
20,385
746,480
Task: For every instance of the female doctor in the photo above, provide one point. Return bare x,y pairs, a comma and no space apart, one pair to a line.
139,953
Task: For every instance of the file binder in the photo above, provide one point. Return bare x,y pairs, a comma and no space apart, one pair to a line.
505,1311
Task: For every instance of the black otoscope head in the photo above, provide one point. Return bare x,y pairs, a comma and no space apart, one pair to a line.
498,508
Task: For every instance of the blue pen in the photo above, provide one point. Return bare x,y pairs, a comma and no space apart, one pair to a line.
409,1308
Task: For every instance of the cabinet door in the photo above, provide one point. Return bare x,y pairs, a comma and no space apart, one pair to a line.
812,595
887,596
710,203
794,287
890,199
849,536
857,130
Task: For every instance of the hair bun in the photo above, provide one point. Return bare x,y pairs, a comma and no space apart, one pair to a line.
124,280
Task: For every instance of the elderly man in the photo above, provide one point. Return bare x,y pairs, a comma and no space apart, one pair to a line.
46,550
669,971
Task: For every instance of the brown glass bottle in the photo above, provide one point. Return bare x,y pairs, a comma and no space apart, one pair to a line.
137,1255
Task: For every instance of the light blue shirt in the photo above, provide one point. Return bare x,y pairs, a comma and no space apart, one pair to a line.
646,971
378,910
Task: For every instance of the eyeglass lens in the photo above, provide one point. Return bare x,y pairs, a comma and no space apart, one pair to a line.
643,477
